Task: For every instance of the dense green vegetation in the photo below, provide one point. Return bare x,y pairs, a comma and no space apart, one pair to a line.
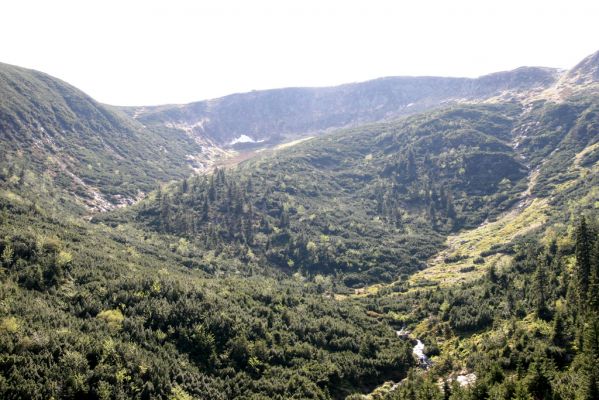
287,276
372,204
528,331
98,313
57,139
364,205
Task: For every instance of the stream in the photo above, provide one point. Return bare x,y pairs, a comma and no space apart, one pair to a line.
417,350
463,378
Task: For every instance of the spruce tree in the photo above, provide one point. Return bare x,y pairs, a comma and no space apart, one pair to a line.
539,287
211,189
589,390
593,294
205,210
583,259
411,169
538,383
184,186
559,335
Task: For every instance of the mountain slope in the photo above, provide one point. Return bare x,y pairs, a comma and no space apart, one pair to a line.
365,205
273,115
87,311
248,283
586,71
55,136
373,203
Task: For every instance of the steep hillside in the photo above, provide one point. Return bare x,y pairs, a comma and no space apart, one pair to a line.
451,254
273,115
586,71
56,137
87,311
499,307
582,79
366,204
373,203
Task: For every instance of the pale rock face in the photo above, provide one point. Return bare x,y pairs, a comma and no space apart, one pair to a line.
466,380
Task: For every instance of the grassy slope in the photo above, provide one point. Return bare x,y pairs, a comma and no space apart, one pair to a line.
366,210
54,134
561,187
329,186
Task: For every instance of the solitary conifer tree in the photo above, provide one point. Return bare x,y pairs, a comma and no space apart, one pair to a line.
583,259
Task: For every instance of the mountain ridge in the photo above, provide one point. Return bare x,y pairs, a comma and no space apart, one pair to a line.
64,136
301,111
47,119
289,275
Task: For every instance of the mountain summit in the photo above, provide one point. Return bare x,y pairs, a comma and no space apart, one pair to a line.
586,71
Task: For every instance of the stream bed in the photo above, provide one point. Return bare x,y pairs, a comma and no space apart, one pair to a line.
417,350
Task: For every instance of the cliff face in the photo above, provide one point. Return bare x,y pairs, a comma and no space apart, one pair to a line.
271,115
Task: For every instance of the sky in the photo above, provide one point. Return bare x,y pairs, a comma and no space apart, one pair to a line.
130,52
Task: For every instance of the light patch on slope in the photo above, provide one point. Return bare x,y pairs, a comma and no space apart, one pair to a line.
292,143
208,158
467,246
244,139
138,112
189,128
586,151
210,155
567,85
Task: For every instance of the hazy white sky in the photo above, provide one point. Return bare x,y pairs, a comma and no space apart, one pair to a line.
129,52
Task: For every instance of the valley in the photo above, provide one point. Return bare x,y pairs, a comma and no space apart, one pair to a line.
157,252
